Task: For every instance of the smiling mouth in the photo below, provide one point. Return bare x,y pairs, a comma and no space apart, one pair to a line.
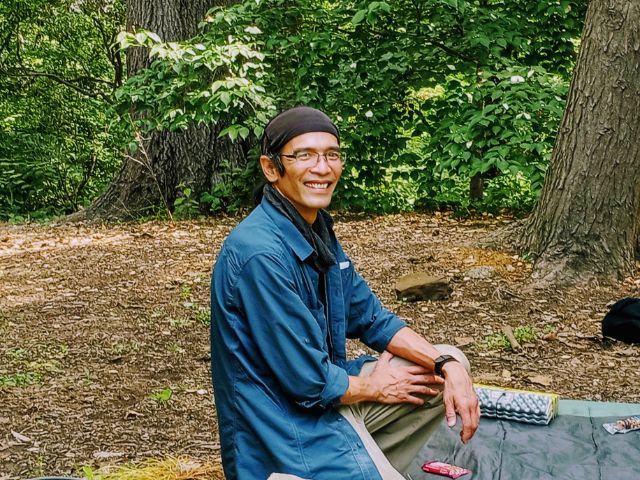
317,186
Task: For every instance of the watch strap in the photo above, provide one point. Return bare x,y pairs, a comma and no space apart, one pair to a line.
441,361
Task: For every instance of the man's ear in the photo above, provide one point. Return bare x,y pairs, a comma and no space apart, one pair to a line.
269,169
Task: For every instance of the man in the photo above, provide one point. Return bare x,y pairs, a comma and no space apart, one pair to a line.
284,298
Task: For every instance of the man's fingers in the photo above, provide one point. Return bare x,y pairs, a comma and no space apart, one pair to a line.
449,411
470,416
429,379
417,370
414,400
469,427
427,391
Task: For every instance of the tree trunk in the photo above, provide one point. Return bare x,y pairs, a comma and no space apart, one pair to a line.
587,221
476,188
151,180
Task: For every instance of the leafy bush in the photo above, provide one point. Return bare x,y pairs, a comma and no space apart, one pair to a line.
505,121
426,95
233,189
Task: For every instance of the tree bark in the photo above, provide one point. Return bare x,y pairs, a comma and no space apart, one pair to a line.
587,221
150,180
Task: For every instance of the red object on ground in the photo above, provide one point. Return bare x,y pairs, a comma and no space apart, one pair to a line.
446,469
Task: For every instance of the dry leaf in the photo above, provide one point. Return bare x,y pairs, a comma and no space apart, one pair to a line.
463,341
540,380
19,437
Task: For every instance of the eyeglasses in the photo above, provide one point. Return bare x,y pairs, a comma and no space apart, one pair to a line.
310,159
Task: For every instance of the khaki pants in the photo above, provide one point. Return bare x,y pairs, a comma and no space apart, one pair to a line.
394,434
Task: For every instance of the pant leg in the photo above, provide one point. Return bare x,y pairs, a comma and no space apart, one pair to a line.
393,434
401,430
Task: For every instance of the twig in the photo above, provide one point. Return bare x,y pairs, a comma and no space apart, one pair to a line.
147,165
508,331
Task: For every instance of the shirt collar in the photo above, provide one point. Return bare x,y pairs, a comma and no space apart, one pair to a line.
291,235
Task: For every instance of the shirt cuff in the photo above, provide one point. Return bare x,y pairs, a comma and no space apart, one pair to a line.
335,388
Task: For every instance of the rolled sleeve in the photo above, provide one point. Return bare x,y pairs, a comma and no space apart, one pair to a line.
287,334
368,320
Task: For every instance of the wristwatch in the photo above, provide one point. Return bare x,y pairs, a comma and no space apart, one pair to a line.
440,361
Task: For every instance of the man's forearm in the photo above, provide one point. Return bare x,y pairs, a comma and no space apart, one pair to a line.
411,346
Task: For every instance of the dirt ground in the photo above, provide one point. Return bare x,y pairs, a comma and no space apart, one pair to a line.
104,347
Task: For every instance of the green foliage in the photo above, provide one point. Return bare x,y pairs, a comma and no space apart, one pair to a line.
525,334
57,71
204,80
185,206
497,341
499,89
425,94
20,379
505,122
161,396
233,190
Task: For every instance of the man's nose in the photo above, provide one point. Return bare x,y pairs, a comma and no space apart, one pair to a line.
322,164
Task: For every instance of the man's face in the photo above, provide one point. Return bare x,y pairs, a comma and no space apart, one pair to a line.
308,187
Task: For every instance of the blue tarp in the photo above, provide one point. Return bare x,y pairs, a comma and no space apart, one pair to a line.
574,446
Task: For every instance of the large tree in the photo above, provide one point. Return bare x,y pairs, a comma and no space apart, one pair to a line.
587,222
167,161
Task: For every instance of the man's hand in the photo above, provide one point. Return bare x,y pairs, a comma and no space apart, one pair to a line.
401,383
460,397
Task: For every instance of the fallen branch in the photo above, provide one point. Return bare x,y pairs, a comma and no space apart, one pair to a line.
508,332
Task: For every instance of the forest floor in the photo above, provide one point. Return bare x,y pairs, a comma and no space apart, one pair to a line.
104,344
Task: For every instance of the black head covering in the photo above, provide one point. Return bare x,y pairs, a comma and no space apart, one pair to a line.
291,123
285,126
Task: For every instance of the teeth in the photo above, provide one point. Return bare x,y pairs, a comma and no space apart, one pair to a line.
317,185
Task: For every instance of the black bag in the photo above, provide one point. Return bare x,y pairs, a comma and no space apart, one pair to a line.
623,321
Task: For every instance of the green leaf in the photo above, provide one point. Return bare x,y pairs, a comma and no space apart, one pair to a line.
226,98
154,37
359,17
244,132
253,30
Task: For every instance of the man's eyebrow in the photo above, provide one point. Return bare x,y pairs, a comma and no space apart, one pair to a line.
335,148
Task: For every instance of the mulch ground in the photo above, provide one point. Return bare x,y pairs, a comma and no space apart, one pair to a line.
104,348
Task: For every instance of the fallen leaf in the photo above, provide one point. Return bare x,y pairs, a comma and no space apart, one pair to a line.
463,341
19,437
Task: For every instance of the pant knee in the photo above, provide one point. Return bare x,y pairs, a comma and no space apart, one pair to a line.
456,353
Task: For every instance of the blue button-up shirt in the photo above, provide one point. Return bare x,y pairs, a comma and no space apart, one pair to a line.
278,353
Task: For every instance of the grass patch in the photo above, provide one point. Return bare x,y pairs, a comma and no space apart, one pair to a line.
202,315
525,334
123,348
20,379
155,469
497,341
161,396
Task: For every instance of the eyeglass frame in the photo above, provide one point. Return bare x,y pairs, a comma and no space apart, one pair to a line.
317,155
